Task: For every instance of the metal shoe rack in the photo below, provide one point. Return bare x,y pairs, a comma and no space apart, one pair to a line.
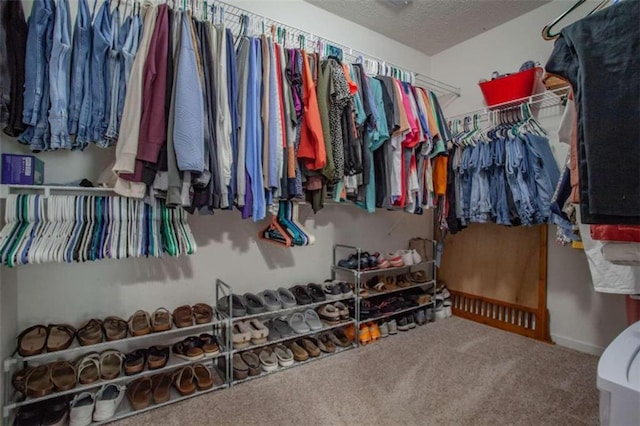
14,400
280,314
359,275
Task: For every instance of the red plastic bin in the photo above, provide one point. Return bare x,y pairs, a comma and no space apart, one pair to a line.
511,87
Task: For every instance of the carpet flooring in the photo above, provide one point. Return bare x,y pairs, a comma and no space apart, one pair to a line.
450,372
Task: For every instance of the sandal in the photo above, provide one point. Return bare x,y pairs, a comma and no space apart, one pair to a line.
88,368
158,357
240,368
259,332
111,364
139,393
217,377
33,340
161,320
183,381
203,313
183,316
134,362
241,335
253,362
60,337
404,281
140,323
161,388
38,381
203,377
209,345
19,378
63,375
90,332
188,349
115,328
419,277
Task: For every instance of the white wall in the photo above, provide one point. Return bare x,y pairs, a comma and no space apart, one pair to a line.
580,317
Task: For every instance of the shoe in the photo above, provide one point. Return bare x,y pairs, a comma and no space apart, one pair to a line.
364,335
346,289
395,259
410,321
407,257
382,262
332,290
343,310
91,332
254,304
350,263
108,399
393,327
316,293
350,332
309,346
54,413
240,368
203,377
287,298
161,320
329,314
383,326
202,313
161,388
298,323
271,300
299,354
241,335
420,317
253,362
403,324
302,295
341,339
440,312
183,382
313,320
329,345
63,375
111,364
237,309
447,308
87,368
259,332
82,409
374,331
115,328
284,355
268,359
189,349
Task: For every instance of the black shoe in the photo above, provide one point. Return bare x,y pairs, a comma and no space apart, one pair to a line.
316,293
56,411
332,290
302,295
403,324
254,304
346,289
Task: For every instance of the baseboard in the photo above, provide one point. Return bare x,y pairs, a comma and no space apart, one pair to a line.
577,345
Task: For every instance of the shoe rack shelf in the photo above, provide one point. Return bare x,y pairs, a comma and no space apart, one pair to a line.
293,309
218,326
295,336
359,274
323,355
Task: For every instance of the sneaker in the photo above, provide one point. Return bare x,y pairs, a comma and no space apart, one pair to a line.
403,324
384,329
108,399
364,335
395,259
82,409
332,290
382,262
431,314
346,289
374,331
447,308
440,312
410,321
420,317
393,327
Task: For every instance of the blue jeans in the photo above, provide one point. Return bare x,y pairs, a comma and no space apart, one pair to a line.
59,77
544,170
113,79
36,87
516,166
79,62
498,183
102,37
465,180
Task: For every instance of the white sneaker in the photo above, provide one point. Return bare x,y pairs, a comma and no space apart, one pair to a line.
416,257
407,257
108,399
447,308
82,409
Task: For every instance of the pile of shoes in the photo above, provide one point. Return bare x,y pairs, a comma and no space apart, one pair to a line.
367,262
270,358
283,298
443,302
370,308
57,337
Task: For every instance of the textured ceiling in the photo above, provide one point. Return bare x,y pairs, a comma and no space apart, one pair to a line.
429,26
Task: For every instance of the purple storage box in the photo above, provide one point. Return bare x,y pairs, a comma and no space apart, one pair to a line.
18,169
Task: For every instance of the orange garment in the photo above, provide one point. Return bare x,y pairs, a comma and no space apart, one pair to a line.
440,174
312,152
353,87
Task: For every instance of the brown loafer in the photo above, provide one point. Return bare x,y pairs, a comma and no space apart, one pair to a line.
63,375
183,316
203,377
33,340
38,381
161,320
115,328
183,381
90,332
139,393
299,354
161,388
203,313
240,368
140,323
60,337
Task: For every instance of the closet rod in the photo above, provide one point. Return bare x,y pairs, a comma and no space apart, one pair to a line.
546,99
232,14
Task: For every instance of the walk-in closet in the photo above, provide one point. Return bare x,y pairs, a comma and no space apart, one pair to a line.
321,212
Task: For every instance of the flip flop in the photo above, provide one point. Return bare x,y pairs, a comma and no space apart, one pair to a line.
139,393
161,388
33,340
240,368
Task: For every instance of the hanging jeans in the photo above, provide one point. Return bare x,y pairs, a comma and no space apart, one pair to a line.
114,68
516,166
544,170
79,65
5,77
59,70
498,184
465,181
36,86
102,37
16,42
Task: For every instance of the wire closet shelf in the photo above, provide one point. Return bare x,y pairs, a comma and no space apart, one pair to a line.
293,37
